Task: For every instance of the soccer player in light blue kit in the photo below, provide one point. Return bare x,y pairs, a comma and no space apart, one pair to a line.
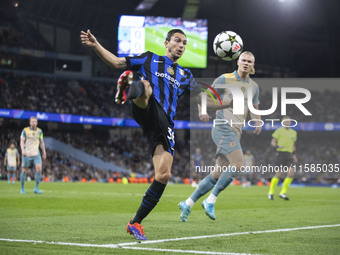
226,136
30,140
12,160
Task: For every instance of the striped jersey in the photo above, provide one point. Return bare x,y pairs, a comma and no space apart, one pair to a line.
32,140
169,81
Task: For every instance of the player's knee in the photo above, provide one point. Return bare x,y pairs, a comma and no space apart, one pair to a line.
163,177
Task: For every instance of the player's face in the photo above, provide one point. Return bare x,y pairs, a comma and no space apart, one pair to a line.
176,47
246,63
33,123
12,146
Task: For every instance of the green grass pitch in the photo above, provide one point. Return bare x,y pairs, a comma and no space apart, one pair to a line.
195,54
95,213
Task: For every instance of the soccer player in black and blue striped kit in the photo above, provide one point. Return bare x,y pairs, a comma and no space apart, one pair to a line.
155,96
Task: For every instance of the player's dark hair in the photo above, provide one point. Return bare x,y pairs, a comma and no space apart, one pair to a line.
172,32
11,142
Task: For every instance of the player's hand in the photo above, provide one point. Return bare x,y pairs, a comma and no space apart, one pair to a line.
44,156
204,117
257,130
87,38
24,153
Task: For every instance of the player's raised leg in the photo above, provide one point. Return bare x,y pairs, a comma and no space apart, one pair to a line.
139,91
123,84
162,161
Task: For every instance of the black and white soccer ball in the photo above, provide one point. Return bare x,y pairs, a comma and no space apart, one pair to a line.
228,45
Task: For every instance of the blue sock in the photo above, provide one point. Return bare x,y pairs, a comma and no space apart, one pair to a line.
203,188
37,179
9,177
14,177
223,182
150,200
22,179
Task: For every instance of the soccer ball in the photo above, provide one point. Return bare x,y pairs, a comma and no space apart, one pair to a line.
228,45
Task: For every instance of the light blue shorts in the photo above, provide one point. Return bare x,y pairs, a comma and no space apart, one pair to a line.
11,168
225,139
28,161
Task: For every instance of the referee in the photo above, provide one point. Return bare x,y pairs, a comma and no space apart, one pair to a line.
284,139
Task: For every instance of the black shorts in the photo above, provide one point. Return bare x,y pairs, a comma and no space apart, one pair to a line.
156,125
284,158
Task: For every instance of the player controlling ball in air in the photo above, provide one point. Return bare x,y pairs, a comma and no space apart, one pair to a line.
162,83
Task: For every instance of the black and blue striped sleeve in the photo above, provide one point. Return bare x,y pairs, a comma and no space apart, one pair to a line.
188,84
135,63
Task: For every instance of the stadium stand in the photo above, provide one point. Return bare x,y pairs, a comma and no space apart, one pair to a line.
127,152
65,95
95,98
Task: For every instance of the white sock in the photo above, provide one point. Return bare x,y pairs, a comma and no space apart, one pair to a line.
211,198
189,202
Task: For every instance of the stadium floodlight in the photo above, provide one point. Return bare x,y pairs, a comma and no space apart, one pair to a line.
146,5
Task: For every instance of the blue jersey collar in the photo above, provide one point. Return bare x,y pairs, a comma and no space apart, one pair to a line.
239,78
169,61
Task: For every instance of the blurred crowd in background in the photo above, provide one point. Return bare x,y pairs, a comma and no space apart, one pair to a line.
129,152
96,98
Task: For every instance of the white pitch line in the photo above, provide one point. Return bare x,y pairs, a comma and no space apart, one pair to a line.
126,245
186,251
227,234
61,243
114,246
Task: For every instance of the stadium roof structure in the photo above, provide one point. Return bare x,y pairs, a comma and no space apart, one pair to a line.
301,34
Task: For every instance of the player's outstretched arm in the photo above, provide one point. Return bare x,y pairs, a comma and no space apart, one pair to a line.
90,40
